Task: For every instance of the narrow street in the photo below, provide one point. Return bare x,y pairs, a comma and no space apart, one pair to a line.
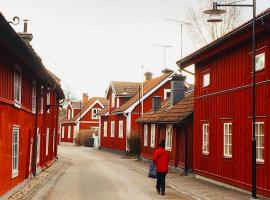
98,175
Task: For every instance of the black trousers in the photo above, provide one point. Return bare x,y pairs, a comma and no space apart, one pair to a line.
160,186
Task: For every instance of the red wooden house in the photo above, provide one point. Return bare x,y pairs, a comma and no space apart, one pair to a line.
223,106
81,115
126,104
171,120
29,100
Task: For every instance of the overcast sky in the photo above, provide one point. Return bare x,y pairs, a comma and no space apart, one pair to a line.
88,43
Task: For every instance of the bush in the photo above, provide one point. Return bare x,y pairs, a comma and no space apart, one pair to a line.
83,136
134,144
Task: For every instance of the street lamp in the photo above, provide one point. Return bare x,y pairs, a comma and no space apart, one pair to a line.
215,16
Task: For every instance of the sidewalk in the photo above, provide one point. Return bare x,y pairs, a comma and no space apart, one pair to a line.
196,188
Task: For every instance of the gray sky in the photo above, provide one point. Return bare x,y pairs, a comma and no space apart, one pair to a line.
88,43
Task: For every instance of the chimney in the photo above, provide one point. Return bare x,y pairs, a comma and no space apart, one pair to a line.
178,88
166,71
148,76
85,97
27,37
156,103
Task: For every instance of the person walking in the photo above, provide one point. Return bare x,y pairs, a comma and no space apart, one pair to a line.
161,159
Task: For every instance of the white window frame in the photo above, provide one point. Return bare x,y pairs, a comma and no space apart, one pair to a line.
17,86
260,56
117,102
206,79
260,141
153,135
41,99
227,143
169,137
47,140
38,146
69,132
205,137
105,129
63,132
68,114
145,135
95,115
113,100
166,91
112,128
120,129
34,96
15,150
48,100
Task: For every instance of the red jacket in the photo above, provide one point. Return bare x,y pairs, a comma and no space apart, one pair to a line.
161,159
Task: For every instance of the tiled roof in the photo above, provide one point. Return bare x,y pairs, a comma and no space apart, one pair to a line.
186,61
170,114
148,86
86,105
128,89
104,110
77,104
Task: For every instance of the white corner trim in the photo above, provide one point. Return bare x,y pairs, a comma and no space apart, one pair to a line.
90,107
128,110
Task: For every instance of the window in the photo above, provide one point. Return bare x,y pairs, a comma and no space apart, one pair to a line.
113,100
145,138
169,133
260,61
228,140
167,93
117,102
120,129
47,141
153,132
205,146
48,100
41,99
105,129
38,146
112,128
15,151
17,86
69,132
63,132
259,133
34,97
68,114
206,80
95,112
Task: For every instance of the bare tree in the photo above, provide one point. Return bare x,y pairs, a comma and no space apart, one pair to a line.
203,32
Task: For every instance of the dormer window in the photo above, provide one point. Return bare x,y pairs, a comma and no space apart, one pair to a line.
206,79
260,62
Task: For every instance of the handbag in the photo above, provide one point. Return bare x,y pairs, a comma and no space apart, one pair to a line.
152,171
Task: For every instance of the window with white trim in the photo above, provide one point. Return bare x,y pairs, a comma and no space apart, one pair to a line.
117,102
17,86
38,146
63,132
260,62
48,100
259,133
145,135
47,140
15,151
41,99
69,132
153,132
205,134
167,93
34,97
105,129
120,129
169,135
206,79
112,128
68,114
113,100
95,112
227,140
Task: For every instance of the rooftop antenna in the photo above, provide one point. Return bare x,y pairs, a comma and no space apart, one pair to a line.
164,52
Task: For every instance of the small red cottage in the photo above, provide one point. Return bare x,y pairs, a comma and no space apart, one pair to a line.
29,107
81,115
126,105
223,107
171,120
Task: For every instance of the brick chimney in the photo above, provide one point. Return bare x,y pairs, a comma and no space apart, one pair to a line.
178,89
85,97
148,76
27,37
